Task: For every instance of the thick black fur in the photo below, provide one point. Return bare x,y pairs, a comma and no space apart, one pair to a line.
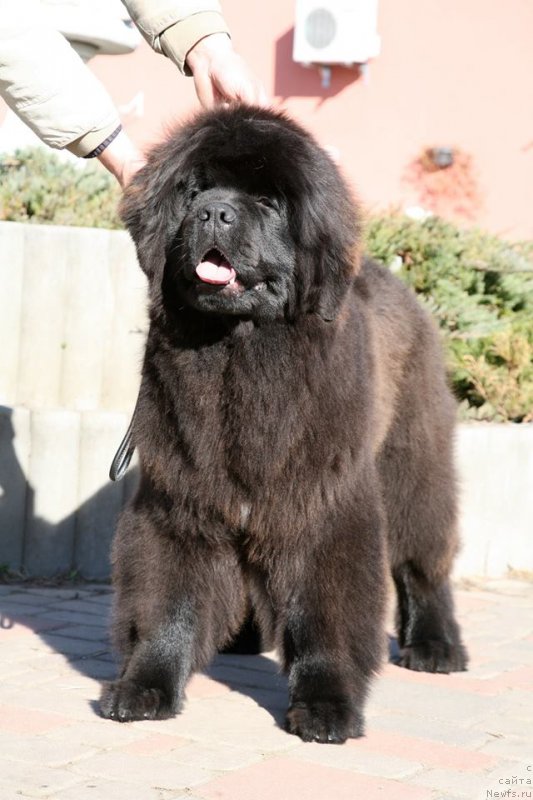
294,432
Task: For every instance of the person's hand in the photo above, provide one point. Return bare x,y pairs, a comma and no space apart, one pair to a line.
122,159
221,75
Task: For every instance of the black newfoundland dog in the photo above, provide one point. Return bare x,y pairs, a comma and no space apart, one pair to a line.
294,430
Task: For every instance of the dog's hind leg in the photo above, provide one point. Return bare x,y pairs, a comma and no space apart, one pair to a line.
178,599
429,635
420,498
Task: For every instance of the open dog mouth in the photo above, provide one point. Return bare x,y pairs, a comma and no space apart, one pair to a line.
215,275
215,269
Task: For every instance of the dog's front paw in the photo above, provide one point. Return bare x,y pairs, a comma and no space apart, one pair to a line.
323,721
434,656
126,701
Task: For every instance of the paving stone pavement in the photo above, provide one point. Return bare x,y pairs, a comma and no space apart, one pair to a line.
429,737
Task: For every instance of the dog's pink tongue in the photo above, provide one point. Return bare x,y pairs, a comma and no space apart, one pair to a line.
211,272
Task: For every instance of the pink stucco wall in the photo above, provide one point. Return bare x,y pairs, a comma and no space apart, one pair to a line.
456,73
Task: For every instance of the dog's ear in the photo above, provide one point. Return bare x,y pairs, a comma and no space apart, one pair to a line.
333,276
329,234
151,208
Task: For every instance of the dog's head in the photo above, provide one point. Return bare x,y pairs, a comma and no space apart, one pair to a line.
240,212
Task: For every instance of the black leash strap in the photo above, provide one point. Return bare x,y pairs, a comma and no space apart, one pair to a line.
122,458
125,451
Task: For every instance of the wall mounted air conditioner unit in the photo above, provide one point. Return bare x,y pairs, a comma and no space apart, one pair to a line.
333,32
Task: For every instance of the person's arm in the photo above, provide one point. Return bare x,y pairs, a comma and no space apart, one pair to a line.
174,27
221,75
45,82
47,85
194,35
122,158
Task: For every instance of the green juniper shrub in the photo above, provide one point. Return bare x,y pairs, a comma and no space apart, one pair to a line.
38,186
479,288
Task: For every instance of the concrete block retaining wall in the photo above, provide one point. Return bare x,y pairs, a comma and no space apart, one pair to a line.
72,318
58,508
72,323
496,491
72,328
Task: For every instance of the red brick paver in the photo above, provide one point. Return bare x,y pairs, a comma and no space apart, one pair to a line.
156,744
429,737
29,722
427,753
283,779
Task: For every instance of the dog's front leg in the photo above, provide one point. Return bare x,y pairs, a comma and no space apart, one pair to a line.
179,597
333,634
154,676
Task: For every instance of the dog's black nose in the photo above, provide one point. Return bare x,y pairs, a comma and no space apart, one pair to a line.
218,213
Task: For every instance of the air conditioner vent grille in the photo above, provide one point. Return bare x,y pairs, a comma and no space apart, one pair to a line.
320,28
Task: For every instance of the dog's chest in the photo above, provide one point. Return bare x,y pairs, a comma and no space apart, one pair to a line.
240,409
253,427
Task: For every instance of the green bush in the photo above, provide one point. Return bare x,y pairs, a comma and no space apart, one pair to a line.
38,186
478,287
480,290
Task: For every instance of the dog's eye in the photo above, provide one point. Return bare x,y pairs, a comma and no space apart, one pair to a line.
267,202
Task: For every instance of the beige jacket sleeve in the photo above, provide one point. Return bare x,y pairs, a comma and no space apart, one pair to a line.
173,27
47,85
45,82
